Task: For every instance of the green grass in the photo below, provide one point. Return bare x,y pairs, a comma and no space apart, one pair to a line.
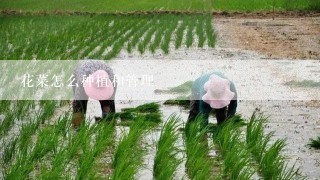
166,160
145,5
97,36
315,143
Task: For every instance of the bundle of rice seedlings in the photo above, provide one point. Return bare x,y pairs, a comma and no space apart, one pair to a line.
144,108
315,143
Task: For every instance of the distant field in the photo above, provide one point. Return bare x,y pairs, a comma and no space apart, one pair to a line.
100,36
147,5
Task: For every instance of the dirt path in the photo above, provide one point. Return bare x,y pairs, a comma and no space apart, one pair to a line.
293,38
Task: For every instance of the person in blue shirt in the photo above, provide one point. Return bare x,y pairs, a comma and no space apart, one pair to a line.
213,91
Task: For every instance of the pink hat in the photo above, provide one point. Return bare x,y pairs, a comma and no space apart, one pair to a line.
98,85
218,94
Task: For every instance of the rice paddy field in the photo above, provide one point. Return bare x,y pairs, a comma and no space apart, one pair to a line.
267,139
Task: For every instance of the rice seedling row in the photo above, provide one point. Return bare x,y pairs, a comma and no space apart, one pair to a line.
166,160
180,33
167,36
119,43
107,43
271,163
237,162
127,159
119,30
135,39
189,36
199,165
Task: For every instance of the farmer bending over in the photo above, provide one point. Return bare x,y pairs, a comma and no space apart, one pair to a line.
92,78
213,91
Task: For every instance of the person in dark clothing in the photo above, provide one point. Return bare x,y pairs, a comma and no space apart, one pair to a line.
94,79
212,91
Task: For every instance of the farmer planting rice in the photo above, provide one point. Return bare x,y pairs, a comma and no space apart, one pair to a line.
94,79
213,91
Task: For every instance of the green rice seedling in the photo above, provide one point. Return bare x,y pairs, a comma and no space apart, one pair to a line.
189,35
62,125
271,164
47,110
102,140
46,142
26,131
135,39
315,143
166,160
182,88
142,45
180,31
255,138
153,117
4,105
144,108
209,32
124,116
199,30
158,36
128,155
9,151
304,83
236,158
198,164
67,151
167,34
7,123
119,43
183,103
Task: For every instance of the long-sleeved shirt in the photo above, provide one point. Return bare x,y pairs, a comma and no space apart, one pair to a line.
198,91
